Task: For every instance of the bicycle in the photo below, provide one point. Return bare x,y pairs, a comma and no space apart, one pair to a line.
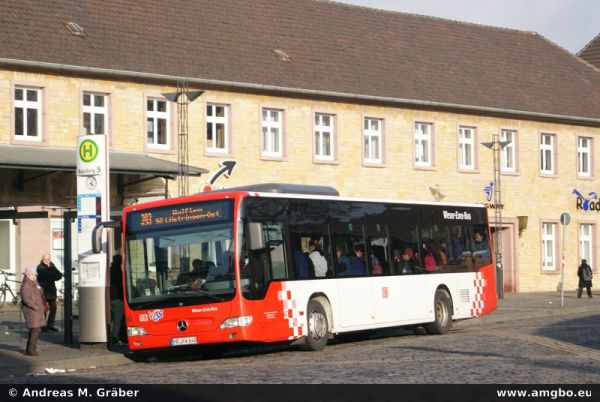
5,288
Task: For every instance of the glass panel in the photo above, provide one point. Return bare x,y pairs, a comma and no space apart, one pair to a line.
318,150
32,123
265,131
18,121
99,100
18,94
32,95
220,140
86,99
327,120
366,124
326,144
264,114
425,151
220,111
275,116
367,151
161,106
375,147
209,111
150,105
162,131
150,128
375,125
99,123
209,134
87,123
275,135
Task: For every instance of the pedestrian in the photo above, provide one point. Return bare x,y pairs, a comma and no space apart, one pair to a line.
47,275
33,309
116,300
584,272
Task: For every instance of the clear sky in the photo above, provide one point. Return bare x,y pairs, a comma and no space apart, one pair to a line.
568,23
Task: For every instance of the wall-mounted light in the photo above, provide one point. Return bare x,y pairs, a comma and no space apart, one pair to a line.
522,224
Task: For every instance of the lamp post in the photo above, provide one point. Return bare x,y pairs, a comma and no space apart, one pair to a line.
182,98
496,146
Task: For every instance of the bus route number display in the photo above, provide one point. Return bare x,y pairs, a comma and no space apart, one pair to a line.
180,215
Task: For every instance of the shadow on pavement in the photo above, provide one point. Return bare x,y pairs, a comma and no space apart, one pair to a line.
578,331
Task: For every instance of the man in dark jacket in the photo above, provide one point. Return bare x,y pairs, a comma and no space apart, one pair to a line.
584,272
47,274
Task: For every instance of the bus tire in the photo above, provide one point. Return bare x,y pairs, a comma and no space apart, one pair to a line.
442,309
318,327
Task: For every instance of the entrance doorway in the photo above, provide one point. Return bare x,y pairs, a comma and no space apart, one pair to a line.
508,251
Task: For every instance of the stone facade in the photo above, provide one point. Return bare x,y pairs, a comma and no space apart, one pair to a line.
525,193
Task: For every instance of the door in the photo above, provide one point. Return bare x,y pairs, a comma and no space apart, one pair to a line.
507,248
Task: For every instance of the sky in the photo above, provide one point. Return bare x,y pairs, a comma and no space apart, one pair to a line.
570,24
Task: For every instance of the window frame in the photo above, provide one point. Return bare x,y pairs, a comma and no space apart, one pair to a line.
514,145
556,239
281,153
590,157
542,148
90,109
373,162
418,137
39,138
333,137
473,168
225,120
160,148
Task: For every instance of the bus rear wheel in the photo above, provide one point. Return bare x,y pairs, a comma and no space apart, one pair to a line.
442,308
318,327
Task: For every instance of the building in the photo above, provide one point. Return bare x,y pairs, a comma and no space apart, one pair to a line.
591,52
375,103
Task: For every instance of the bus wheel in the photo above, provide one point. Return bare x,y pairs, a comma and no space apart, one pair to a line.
442,307
318,327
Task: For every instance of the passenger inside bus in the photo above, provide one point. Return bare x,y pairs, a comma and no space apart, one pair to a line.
317,258
480,246
358,265
343,260
302,265
429,261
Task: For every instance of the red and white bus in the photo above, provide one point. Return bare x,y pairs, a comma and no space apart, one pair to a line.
274,262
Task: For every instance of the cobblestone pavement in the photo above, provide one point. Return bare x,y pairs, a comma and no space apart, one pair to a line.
529,340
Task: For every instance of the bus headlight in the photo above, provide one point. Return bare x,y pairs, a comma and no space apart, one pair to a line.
233,322
136,331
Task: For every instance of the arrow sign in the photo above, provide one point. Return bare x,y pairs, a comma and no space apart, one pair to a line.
226,170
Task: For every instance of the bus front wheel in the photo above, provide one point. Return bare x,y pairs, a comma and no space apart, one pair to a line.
442,308
318,327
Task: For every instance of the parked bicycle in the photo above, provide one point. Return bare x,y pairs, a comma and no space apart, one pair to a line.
6,293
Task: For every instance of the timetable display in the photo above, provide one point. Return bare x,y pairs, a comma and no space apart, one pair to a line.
179,215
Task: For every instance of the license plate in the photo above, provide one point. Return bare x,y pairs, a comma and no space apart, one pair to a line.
190,340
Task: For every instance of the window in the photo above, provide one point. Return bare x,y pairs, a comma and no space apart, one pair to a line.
373,138
324,136
584,156
466,148
423,144
547,154
158,122
95,113
217,128
28,114
586,241
272,133
508,155
549,245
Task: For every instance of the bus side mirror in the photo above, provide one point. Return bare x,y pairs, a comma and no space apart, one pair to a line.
97,234
255,235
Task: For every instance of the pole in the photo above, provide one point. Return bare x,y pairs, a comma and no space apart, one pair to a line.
565,218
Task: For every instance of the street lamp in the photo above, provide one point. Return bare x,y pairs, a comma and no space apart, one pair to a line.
182,97
496,146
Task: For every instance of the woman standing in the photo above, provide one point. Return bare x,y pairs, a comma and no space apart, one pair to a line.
33,309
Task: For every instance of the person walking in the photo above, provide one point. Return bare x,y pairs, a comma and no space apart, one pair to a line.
584,272
47,275
32,306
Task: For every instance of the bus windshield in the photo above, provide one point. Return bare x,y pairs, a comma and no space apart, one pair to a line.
180,255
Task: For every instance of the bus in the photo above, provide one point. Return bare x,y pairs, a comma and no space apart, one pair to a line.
299,264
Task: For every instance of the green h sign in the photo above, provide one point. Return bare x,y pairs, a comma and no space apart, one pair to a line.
88,150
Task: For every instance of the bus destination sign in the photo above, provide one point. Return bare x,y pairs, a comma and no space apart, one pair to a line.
176,215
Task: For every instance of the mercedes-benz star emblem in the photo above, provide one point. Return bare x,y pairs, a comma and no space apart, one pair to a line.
182,325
